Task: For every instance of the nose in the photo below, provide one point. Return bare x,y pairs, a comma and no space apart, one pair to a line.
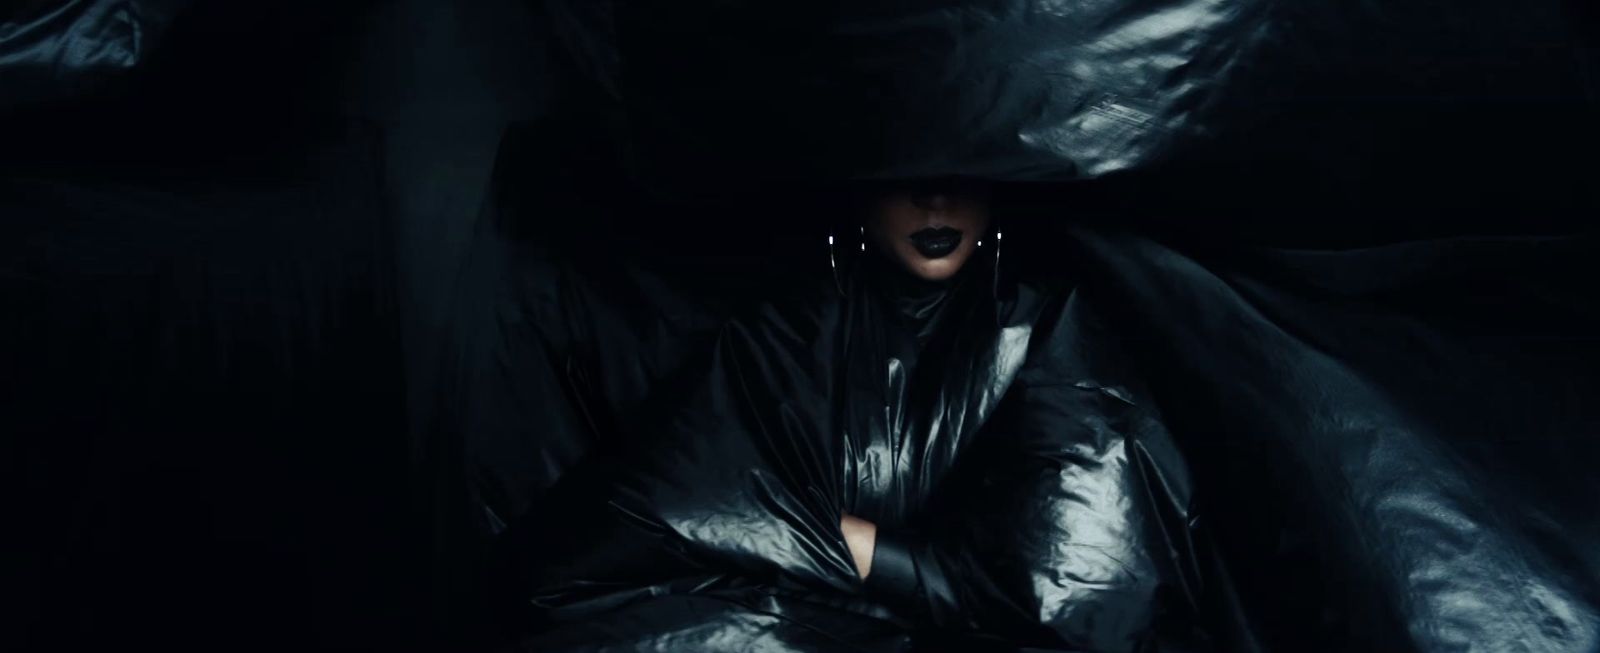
930,201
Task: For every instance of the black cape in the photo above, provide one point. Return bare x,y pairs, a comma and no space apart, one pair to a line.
1170,448
1022,486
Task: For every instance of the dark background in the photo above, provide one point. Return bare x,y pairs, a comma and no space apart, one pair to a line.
228,273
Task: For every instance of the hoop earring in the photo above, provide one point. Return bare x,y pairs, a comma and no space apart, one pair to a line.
834,255
998,237
833,264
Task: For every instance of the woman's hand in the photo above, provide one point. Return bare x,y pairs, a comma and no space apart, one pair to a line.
861,536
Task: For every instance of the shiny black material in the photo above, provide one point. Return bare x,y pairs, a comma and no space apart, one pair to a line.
1171,445
1386,448
53,50
1028,488
1296,117
1395,439
1008,89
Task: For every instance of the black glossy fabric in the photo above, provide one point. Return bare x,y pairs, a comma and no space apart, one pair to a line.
1038,495
1175,446
1376,449
1334,99
1006,89
53,50
1390,435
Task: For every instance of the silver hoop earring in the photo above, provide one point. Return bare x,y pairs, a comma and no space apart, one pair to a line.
999,236
833,264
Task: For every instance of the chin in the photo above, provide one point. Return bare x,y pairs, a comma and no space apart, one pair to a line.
938,269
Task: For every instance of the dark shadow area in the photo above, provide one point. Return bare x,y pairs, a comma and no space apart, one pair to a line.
252,259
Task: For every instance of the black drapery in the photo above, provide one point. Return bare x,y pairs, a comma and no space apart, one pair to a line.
185,196
1386,446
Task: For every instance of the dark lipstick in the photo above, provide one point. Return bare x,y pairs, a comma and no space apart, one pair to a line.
936,242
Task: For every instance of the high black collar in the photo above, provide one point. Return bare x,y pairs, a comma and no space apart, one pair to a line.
919,303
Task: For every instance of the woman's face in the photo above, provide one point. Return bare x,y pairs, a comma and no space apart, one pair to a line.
931,231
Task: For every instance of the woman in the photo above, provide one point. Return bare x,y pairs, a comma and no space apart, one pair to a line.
923,451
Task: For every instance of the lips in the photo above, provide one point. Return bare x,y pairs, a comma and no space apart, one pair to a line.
936,242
